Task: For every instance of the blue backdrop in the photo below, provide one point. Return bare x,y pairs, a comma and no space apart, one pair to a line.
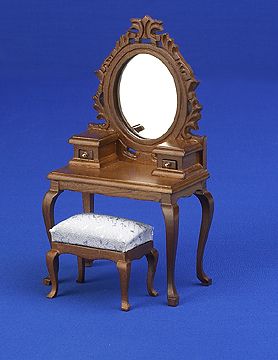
49,50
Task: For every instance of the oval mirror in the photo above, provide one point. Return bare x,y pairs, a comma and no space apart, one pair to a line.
147,96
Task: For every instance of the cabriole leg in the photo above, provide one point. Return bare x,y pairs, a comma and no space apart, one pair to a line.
52,262
48,205
207,204
124,271
152,258
171,217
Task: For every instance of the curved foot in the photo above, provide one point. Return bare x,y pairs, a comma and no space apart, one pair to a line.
46,281
152,259
125,306
52,294
205,280
153,292
173,301
52,262
207,204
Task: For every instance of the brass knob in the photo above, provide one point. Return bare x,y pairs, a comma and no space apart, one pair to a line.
167,164
85,155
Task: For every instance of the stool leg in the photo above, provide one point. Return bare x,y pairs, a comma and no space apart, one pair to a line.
52,262
81,269
152,258
124,271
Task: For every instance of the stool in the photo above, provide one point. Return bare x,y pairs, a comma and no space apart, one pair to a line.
92,236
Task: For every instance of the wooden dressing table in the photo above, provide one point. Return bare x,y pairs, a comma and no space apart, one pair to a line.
113,158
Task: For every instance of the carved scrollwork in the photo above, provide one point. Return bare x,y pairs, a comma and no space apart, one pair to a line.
147,29
194,108
99,97
99,107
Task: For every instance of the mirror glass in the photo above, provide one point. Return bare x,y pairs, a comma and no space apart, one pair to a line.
147,96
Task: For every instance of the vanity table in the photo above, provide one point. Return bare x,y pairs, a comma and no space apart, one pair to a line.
142,146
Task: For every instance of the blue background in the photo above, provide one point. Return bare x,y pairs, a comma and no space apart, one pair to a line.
49,50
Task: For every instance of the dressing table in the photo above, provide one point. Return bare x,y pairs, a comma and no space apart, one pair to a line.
142,146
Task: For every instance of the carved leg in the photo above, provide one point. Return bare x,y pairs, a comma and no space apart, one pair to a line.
81,269
88,201
124,271
152,258
171,217
52,262
207,203
48,204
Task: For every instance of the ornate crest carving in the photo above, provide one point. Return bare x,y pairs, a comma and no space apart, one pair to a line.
147,30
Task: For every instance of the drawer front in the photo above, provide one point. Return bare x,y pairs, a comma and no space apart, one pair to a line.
169,164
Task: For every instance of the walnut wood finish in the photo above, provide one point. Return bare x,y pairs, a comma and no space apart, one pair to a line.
144,37
110,158
81,269
88,201
125,180
122,260
171,217
52,262
207,203
124,268
152,258
48,205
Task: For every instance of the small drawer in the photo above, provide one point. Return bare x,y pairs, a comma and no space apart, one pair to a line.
85,154
169,164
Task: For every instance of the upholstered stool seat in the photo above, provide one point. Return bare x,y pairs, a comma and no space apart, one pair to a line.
92,236
102,231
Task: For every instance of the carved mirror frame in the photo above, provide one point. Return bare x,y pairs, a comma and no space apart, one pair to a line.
177,153
145,37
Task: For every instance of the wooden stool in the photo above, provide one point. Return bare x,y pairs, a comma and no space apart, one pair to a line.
91,236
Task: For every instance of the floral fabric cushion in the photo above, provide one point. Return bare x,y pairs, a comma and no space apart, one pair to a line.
102,231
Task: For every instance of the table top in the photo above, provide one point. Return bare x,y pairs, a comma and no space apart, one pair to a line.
128,175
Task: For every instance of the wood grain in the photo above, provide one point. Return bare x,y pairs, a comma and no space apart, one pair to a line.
207,204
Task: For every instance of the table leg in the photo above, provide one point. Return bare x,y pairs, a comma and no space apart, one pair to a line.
88,201
48,215
171,217
207,204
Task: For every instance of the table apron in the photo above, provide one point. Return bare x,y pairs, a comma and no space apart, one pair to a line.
110,191
130,193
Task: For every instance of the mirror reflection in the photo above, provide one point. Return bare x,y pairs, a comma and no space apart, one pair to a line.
147,96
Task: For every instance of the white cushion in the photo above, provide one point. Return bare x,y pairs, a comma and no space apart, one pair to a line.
102,231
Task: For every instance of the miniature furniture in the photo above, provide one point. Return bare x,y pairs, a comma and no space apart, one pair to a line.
94,237
142,145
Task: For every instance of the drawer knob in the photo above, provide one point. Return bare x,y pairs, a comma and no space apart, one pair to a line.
84,155
167,164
